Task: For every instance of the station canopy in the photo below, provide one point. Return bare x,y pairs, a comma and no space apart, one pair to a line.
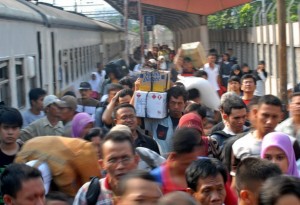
175,14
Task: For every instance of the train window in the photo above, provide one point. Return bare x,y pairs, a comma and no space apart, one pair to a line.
59,57
4,83
76,66
65,53
71,54
82,59
87,63
31,71
90,58
66,70
20,82
72,69
79,62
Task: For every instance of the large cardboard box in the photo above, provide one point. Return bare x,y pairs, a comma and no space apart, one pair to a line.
161,81
140,98
156,105
145,77
195,52
150,104
154,80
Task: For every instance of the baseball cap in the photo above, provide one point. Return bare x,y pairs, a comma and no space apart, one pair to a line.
68,101
50,99
85,86
153,61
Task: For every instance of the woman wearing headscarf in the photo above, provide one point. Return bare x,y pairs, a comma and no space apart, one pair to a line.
95,84
277,147
81,125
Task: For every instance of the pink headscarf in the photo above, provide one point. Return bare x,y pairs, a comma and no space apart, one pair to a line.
282,141
79,122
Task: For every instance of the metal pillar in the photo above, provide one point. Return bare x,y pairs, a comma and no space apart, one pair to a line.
292,55
126,32
255,49
141,31
268,49
282,61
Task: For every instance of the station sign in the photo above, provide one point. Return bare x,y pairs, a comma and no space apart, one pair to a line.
149,20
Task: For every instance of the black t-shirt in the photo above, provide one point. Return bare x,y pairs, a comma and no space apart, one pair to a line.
175,122
4,161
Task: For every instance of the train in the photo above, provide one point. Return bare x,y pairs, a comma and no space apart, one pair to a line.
42,45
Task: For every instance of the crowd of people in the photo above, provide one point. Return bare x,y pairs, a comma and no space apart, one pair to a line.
89,147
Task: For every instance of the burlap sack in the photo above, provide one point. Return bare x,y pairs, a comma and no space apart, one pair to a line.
72,161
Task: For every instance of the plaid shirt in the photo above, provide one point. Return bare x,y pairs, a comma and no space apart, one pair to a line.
105,198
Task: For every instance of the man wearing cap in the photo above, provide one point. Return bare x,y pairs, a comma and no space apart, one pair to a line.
151,63
86,103
48,125
67,106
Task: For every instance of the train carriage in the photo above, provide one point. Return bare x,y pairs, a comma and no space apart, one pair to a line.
45,46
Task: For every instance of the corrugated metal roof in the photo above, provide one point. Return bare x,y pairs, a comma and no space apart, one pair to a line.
176,14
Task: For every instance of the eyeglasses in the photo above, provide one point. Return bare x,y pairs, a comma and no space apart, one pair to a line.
123,160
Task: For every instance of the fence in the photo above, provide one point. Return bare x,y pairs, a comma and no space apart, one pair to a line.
260,43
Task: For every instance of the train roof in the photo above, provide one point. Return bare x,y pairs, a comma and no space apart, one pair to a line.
51,16
108,26
14,10
59,18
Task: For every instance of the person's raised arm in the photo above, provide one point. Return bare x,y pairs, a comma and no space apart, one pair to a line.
107,114
178,60
137,85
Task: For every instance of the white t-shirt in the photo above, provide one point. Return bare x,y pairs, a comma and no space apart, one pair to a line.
247,146
212,75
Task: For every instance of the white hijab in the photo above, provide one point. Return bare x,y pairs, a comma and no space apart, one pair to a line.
94,83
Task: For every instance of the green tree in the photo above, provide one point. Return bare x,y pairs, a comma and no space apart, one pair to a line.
242,16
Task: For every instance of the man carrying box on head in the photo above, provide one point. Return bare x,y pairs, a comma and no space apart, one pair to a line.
163,129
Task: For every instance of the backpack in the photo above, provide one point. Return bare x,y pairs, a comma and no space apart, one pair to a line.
220,137
93,191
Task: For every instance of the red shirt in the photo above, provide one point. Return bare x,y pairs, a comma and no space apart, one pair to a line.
231,198
169,186
167,183
247,101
